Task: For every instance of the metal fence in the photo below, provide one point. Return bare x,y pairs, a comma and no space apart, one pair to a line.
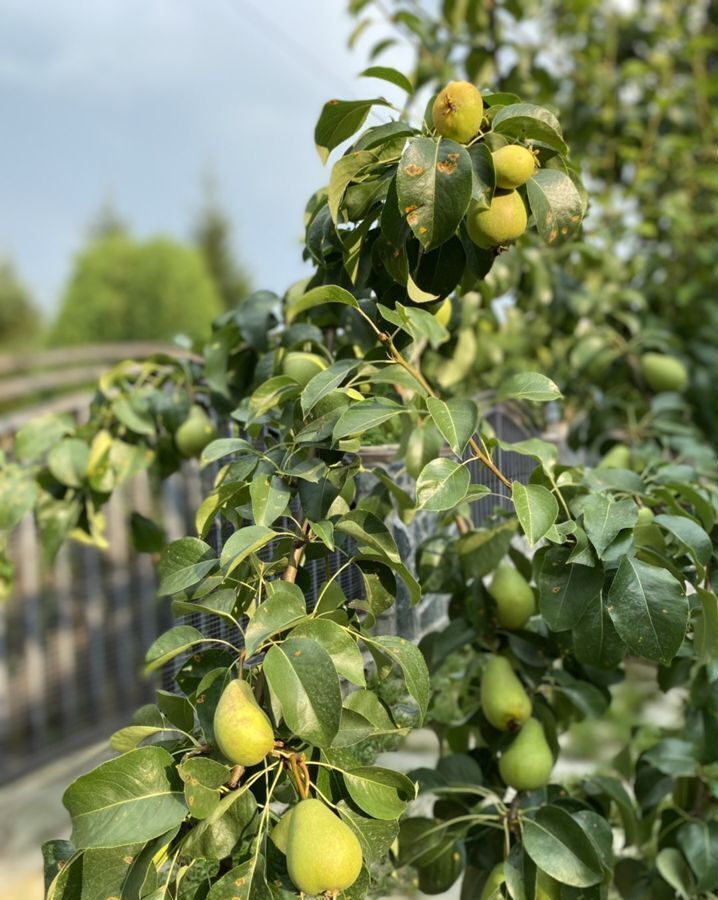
73,635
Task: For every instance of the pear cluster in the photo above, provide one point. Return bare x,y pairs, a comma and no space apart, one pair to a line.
457,114
527,763
323,854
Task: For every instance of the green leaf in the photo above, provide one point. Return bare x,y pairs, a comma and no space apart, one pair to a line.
132,798
224,447
18,493
94,873
344,171
271,393
674,757
595,640
705,627
694,839
370,533
530,123
441,484
536,509
456,419
215,836
604,518
323,383
303,679
320,296
556,205
411,662
170,644
559,846
674,869
481,551
566,590
342,648
691,535
528,386
484,180
387,73
244,882
375,836
365,415
383,793
183,563
39,435
434,183
279,611
626,807
243,543
270,496
202,779
542,451
649,609
129,738
339,120
68,461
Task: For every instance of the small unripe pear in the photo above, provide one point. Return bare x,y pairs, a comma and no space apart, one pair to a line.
645,516
241,728
618,457
514,165
195,432
504,701
302,367
323,854
528,762
513,595
280,833
493,882
458,111
663,373
504,221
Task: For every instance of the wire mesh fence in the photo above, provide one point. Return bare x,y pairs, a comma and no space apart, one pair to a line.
74,634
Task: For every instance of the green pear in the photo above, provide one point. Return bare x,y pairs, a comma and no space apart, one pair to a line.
302,367
280,833
513,595
504,701
195,432
493,882
514,165
645,516
618,457
458,111
663,373
503,222
528,762
241,728
323,854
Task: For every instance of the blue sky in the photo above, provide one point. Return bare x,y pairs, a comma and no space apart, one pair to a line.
135,100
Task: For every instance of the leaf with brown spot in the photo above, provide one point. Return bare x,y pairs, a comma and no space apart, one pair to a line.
434,183
555,203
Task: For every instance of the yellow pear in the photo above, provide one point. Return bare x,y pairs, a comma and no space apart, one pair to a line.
323,854
458,111
528,762
503,222
663,373
241,728
280,833
514,165
493,882
195,432
513,595
303,366
504,701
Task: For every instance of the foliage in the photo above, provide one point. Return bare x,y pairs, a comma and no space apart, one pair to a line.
213,238
20,321
621,559
122,289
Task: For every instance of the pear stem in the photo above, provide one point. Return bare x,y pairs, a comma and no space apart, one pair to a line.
295,557
235,776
